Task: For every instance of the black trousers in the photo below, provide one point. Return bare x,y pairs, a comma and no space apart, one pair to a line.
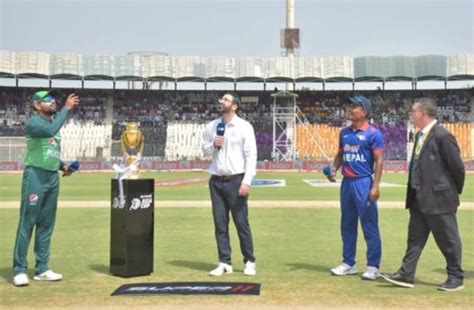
225,197
445,232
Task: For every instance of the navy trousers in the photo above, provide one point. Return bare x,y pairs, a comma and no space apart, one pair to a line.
446,234
225,198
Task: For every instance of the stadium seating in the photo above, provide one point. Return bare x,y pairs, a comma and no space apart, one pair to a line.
184,141
85,140
463,135
172,121
317,141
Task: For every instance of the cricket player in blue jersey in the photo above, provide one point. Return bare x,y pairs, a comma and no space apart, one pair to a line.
360,155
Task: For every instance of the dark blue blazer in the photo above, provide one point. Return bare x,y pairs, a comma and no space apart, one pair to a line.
439,174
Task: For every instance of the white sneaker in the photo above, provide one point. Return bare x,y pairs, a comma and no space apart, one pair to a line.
372,273
344,269
250,269
221,269
21,280
48,275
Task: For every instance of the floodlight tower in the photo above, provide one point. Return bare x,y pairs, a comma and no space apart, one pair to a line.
284,103
290,38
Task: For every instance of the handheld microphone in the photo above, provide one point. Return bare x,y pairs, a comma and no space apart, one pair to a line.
220,130
74,166
329,174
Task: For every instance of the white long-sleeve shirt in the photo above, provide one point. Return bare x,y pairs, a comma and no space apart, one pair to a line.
238,154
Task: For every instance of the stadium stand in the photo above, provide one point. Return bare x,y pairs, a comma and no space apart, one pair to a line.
85,140
184,141
173,121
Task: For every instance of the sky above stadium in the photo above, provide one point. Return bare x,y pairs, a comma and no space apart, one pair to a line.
238,28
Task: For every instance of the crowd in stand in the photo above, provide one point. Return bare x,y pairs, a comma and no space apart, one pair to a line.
15,108
13,111
155,109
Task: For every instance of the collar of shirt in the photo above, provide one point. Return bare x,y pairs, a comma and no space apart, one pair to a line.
233,121
428,127
364,127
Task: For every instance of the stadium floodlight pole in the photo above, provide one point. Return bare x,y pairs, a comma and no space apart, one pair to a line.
290,51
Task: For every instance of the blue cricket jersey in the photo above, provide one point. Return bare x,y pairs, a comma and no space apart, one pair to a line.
357,146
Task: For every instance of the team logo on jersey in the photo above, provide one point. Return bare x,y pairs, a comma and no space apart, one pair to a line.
33,200
361,137
52,141
351,148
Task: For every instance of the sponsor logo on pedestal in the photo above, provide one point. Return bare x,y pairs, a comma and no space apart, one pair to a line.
143,202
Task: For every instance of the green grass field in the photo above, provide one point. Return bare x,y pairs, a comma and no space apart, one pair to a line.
295,248
84,186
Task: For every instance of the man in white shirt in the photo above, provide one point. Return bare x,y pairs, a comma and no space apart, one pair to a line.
230,141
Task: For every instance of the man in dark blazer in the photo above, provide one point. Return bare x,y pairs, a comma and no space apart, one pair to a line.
435,181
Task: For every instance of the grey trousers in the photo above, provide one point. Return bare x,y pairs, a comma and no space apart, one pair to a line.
445,232
225,197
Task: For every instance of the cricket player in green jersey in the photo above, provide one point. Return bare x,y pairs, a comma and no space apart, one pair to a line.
40,186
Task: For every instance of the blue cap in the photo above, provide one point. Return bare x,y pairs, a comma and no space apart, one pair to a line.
362,101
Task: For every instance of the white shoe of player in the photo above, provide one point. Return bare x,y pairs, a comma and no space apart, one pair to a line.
48,275
221,269
344,269
21,280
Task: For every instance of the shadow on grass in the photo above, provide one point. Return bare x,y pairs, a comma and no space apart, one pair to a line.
192,265
299,266
100,269
468,274
6,273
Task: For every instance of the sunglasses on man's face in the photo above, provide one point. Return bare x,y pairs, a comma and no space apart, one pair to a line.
48,100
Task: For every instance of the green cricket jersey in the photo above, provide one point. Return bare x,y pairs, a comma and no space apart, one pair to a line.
43,141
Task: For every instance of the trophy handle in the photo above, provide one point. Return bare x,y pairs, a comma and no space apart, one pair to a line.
142,142
122,144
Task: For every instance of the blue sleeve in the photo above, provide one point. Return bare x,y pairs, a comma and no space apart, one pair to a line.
377,140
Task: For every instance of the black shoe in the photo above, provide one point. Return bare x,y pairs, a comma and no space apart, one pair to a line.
398,279
451,285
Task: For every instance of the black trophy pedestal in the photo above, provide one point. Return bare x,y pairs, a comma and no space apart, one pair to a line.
132,228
